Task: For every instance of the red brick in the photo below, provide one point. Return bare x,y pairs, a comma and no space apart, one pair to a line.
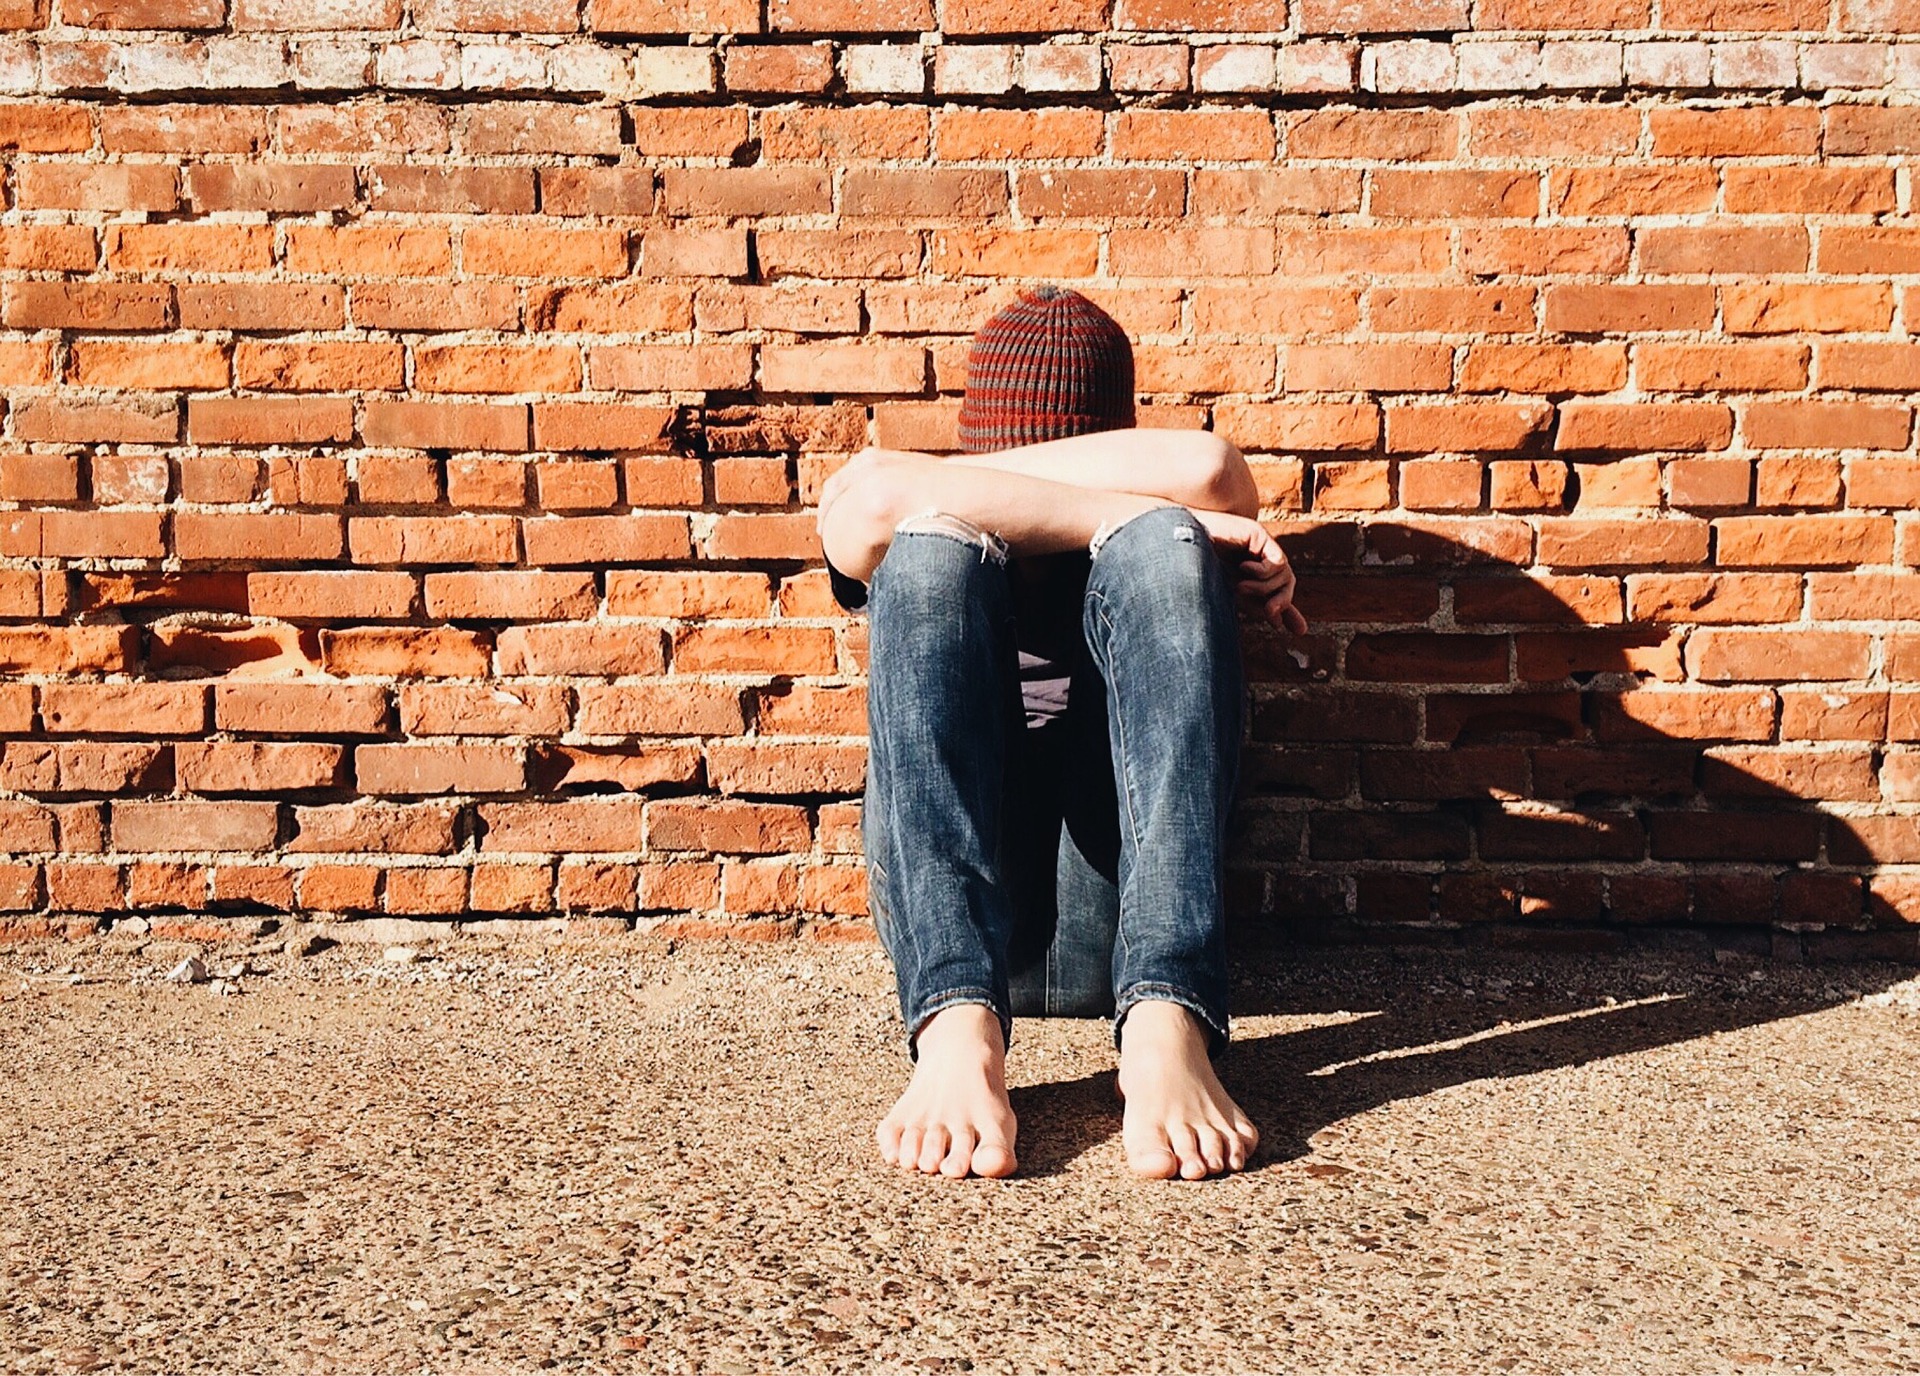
1630,190
127,419
1661,714
169,709
421,768
1374,135
1794,308
1227,135
1369,367
1540,251
673,16
1803,541
95,186
592,650
86,305
1452,310
866,133
1823,775
130,363
795,67
405,652
494,709
256,766
68,649
945,194
1555,132
341,709
586,824
1377,16
439,306
1870,367
1102,193
194,826
1744,14
1706,598
1637,427
728,827
261,536
605,539
1806,480
1870,129
446,425
347,128
432,540
773,650
189,248
1778,656
754,766
1808,190
1662,367
1737,132
472,190
262,306
318,366
269,420
532,127
1826,715
52,126
1611,308
1644,651
966,135
1869,250
1721,250
1826,425
1453,194
1699,483
1023,16
1578,542
601,427
1180,16
1466,427
1270,428
294,187
1543,368
515,595
1537,599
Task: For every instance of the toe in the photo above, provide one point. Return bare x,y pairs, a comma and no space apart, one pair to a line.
933,1147
909,1148
1186,1148
887,1137
1150,1154
959,1158
1213,1147
994,1157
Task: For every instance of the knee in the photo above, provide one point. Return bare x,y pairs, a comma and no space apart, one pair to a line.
933,556
1162,558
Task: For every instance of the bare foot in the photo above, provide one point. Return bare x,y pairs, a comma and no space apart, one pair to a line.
1178,1120
954,1118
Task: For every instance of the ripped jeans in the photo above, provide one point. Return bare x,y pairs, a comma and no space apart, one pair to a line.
1077,866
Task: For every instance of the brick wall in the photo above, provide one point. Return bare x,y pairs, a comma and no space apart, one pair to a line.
414,410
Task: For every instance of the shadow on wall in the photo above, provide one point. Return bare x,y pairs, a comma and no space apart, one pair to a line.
1462,753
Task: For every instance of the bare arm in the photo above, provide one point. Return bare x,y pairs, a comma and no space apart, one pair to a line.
1033,515
1195,468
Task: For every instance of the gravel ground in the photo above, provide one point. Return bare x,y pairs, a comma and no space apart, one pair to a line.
489,1156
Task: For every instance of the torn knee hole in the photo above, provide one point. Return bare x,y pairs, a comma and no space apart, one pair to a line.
945,523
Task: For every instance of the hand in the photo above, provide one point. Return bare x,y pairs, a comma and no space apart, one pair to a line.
866,461
1263,577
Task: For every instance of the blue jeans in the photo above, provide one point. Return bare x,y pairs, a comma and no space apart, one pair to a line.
1070,869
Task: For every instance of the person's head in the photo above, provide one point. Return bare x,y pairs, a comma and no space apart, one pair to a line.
1048,365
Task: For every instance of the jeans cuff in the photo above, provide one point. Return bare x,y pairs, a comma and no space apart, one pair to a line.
947,998
1214,1022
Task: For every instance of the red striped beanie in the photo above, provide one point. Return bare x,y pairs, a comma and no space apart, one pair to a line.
1047,365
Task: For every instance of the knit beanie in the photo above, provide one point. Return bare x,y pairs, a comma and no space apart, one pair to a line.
1048,365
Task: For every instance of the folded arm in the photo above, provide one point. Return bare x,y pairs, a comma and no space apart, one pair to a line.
1038,497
